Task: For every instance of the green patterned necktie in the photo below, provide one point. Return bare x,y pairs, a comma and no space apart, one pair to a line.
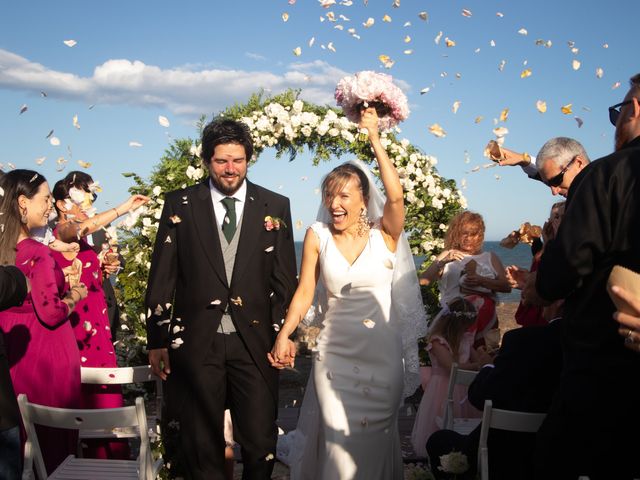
229,222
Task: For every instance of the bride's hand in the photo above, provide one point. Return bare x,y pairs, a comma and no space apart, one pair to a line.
369,121
283,353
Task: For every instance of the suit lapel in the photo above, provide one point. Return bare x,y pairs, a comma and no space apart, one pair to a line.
252,224
205,222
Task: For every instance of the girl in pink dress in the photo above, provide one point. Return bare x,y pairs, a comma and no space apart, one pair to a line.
39,340
73,200
449,341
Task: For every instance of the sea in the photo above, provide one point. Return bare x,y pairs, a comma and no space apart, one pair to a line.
520,255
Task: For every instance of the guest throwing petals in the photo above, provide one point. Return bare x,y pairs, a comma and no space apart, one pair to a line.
39,340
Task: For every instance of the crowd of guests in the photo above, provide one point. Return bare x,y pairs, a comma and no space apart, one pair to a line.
574,359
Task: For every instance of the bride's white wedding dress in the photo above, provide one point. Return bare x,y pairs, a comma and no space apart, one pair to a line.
348,425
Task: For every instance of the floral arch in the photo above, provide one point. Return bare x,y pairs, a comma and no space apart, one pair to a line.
291,126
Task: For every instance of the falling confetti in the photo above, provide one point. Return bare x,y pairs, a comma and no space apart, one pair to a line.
369,23
438,37
605,45
386,18
75,122
407,39
425,90
575,64
312,40
407,52
541,105
437,130
525,73
499,14
175,219
40,160
135,144
478,119
84,164
466,13
331,47
523,31
504,114
369,323
70,43
566,109
615,85
23,108
500,131
163,121
599,72
55,141
579,121
492,43
502,64
285,17
326,3
449,43
396,4
49,134
299,224
386,61
423,16
297,51
456,106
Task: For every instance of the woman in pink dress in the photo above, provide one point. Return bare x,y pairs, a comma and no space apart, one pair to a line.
39,340
73,200
449,341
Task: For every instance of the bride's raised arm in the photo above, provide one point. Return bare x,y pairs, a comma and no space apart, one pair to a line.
393,215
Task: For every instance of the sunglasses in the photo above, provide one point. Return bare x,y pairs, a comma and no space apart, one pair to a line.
556,180
614,111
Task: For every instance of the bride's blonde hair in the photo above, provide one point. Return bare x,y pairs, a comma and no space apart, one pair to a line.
337,178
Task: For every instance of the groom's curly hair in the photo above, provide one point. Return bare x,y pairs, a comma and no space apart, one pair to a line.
225,130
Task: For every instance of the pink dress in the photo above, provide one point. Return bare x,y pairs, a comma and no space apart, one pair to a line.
435,394
90,324
41,347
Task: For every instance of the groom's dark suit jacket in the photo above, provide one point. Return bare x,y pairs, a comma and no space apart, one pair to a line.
188,285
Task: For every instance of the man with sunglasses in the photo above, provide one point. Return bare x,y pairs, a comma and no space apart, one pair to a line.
595,407
556,165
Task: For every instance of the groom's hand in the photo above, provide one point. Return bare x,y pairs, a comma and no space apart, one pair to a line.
159,361
282,354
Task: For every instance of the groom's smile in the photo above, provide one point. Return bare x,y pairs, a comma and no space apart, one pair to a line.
228,167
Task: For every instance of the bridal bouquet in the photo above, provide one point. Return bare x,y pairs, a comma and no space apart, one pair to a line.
372,89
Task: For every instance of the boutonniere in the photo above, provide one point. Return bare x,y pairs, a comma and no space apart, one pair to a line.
273,223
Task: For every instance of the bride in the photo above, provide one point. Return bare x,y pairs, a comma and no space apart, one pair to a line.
373,316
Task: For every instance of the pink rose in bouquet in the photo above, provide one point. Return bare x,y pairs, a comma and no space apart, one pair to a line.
372,89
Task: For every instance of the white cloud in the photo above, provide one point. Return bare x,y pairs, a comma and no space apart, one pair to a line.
184,90
255,56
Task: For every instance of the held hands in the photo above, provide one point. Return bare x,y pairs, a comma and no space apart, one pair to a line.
159,361
283,353
81,290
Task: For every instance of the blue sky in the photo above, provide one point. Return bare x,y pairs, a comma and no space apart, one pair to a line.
134,61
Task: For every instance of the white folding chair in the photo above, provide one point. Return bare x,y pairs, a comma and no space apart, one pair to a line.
122,376
461,425
503,420
73,468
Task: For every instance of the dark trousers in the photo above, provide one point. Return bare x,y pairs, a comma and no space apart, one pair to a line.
227,378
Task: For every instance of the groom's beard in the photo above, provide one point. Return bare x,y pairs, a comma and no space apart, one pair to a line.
230,184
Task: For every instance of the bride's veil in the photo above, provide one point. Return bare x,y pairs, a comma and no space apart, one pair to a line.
408,313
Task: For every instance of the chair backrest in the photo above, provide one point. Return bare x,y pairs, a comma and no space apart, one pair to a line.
458,376
124,375
504,420
74,419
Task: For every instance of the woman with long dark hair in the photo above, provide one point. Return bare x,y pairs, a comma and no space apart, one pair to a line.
41,348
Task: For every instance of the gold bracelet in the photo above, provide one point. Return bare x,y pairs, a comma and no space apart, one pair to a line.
526,158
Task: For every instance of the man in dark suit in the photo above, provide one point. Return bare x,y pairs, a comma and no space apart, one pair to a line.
524,377
13,290
594,409
100,239
222,275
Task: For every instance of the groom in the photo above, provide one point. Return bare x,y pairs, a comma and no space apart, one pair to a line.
222,275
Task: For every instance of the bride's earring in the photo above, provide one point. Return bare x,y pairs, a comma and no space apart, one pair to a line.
363,223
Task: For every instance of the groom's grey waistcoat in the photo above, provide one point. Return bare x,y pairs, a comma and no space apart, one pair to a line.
229,251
